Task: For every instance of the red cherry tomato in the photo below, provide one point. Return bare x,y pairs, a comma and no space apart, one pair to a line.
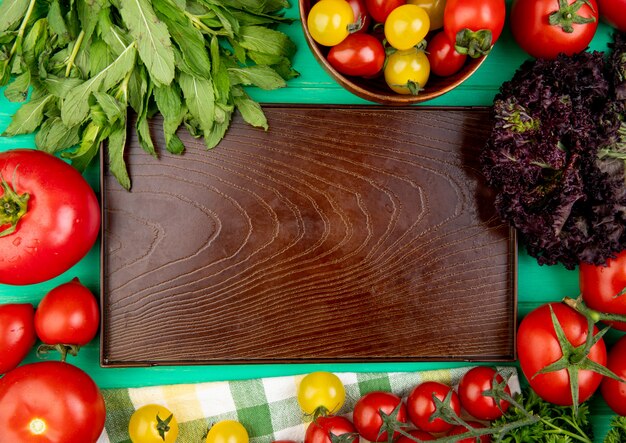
359,55
538,347
533,30
380,9
67,315
361,14
17,334
320,430
612,11
474,25
420,435
420,405
61,220
367,410
459,429
613,391
52,402
444,59
602,287
471,389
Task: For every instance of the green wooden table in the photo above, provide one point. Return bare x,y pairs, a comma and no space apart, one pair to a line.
536,285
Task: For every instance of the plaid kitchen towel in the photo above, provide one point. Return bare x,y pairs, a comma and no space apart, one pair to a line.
267,407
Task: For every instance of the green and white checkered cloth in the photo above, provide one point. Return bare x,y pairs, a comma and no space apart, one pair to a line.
267,407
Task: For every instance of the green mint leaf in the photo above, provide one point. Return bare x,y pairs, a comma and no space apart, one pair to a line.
266,40
61,86
171,108
261,76
153,39
57,24
115,149
251,111
137,88
35,42
200,99
18,90
100,56
112,34
54,136
228,22
11,12
88,11
75,107
28,117
144,137
216,134
88,148
189,40
113,109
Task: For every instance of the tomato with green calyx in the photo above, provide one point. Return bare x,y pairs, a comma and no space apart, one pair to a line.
406,26
331,21
49,217
443,58
17,334
478,390
67,318
562,354
603,288
546,29
379,415
407,72
421,405
362,17
359,55
52,402
331,429
434,9
227,431
474,25
153,424
614,391
321,393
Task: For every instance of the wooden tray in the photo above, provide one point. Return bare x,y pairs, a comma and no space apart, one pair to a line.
341,234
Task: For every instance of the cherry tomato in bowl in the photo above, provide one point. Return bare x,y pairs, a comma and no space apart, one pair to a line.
406,26
50,217
407,72
443,58
329,21
359,55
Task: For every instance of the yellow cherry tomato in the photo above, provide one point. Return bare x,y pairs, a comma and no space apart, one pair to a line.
321,392
329,21
153,424
406,72
227,431
406,26
434,9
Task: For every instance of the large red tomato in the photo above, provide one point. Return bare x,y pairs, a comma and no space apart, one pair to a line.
17,334
544,29
68,315
50,402
538,347
613,391
603,287
614,12
49,217
474,26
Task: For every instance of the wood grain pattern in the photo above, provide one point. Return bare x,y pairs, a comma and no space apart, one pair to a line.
341,234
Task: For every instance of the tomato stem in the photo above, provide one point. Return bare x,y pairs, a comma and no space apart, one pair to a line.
473,43
12,206
579,305
567,15
64,350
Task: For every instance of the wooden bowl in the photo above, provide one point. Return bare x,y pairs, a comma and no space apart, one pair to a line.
376,90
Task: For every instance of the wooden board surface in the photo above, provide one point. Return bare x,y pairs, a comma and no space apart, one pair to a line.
341,234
